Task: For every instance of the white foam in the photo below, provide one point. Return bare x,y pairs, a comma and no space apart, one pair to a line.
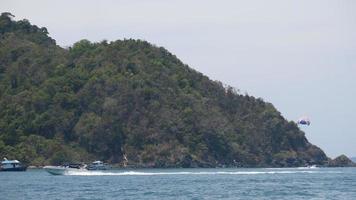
137,173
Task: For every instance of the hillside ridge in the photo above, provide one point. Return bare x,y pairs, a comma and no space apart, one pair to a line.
129,98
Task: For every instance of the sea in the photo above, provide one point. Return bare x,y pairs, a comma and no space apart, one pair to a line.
217,183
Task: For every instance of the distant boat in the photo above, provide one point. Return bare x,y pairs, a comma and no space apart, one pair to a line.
98,165
312,166
65,169
308,167
12,165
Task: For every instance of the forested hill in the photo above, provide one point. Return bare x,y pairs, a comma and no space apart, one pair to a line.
129,98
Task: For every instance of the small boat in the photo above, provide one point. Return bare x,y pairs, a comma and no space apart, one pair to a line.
312,166
308,167
65,169
98,165
12,165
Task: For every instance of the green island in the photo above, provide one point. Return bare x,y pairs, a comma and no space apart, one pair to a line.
134,104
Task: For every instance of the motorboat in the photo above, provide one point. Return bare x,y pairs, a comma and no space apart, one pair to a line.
65,169
98,165
308,167
12,165
312,167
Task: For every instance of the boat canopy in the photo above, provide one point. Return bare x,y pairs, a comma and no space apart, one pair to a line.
6,161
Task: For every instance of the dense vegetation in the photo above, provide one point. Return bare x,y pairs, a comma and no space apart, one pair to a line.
128,98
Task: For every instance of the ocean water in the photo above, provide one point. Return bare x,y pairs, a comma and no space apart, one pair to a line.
251,183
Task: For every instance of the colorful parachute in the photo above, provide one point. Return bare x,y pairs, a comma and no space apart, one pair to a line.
304,121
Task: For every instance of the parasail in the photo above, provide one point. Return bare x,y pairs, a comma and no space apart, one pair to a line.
304,121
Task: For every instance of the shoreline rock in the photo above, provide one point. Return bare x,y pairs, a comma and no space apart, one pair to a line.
341,161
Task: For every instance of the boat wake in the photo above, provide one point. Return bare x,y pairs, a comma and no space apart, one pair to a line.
137,173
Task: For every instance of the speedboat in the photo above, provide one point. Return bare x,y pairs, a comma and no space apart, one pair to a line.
312,167
308,167
98,165
12,165
65,169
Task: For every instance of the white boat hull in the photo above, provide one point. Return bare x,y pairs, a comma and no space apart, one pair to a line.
60,170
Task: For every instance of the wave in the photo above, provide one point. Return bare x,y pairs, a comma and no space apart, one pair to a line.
137,173
308,168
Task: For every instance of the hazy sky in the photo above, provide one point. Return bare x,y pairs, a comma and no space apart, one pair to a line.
299,55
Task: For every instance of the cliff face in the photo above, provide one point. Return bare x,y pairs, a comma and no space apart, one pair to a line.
106,100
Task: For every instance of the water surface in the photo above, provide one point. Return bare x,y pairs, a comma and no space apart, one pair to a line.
237,183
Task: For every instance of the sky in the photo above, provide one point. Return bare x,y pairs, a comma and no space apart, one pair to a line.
298,55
